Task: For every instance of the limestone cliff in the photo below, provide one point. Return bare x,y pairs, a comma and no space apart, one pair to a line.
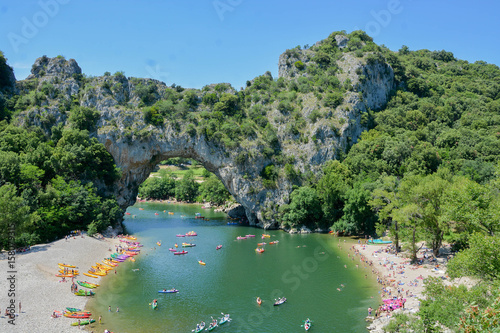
306,129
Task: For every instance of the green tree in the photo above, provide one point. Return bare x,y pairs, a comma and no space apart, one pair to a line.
187,188
471,207
409,214
304,208
227,104
15,215
385,199
421,199
358,217
83,118
158,188
446,304
332,188
64,206
481,259
214,191
210,99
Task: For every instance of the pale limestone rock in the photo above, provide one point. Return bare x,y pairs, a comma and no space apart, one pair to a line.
138,147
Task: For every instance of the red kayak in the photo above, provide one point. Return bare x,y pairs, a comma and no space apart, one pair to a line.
76,315
182,252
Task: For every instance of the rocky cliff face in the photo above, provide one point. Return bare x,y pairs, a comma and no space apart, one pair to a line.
138,147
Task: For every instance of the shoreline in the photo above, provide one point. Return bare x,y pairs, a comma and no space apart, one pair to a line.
396,277
41,292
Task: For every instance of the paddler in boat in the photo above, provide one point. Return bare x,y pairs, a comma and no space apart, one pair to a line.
164,289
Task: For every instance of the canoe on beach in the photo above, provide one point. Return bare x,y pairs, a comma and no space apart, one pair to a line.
77,315
69,266
378,241
91,275
66,275
83,322
82,292
87,284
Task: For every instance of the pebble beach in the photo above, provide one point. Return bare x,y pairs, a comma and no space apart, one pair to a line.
397,278
41,292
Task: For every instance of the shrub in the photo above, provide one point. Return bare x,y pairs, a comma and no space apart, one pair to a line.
285,107
83,118
210,99
299,65
227,104
314,115
333,99
146,93
151,116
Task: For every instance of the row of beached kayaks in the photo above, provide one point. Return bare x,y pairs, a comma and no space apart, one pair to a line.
66,270
82,316
99,269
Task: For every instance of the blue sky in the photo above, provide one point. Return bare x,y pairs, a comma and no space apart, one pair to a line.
194,43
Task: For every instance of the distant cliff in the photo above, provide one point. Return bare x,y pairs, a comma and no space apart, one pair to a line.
259,141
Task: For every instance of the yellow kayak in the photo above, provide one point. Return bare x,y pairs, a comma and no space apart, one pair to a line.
68,272
64,265
91,275
66,275
104,267
107,262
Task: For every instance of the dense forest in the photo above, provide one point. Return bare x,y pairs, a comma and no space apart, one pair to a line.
426,169
185,187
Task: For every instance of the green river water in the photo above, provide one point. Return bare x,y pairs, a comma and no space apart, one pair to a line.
306,269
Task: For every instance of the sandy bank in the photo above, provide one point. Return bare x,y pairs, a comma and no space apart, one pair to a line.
40,291
397,277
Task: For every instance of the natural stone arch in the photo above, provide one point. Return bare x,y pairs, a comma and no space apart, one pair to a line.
138,158
138,147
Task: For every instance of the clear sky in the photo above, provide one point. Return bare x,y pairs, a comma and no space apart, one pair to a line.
197,42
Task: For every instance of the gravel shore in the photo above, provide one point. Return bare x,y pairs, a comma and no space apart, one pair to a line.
394,272
40,292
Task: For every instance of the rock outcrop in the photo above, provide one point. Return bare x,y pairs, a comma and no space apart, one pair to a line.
138,147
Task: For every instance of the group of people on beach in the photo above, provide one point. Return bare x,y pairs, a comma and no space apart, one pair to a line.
391,290
23,249
74,233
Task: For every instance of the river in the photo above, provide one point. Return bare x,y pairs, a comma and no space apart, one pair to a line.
306,269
